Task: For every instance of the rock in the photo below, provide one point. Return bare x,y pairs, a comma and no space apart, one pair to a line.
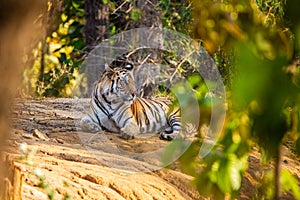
40,135
27,135
19,132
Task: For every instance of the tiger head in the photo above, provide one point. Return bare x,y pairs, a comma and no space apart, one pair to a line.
118,84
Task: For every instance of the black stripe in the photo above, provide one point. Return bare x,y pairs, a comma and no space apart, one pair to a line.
111,87
127,120
121,114
105,99
99,122
174,113
171,120
156,104
99,105
147,122
116,110
154,127
159,102
176,124
156,112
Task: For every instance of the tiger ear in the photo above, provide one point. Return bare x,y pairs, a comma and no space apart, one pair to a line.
108,68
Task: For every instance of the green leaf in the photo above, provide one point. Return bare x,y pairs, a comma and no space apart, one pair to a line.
213,176
78,43
71,29
51,92
290,183
75,5
112,30
135,14
223,176
236,169
112,5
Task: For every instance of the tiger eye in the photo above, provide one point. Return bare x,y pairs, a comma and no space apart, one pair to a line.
129,67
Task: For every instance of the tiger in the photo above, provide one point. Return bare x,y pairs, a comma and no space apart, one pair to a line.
115,107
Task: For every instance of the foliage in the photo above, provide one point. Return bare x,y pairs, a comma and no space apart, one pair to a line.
223,169
55,68
261,35
273,11
289,184
176,15
218,174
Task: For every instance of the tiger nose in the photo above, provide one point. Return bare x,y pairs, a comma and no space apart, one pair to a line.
133,95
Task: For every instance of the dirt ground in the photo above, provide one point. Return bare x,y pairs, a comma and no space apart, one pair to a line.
47,147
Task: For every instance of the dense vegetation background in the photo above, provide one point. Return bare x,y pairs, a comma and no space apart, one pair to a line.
255,45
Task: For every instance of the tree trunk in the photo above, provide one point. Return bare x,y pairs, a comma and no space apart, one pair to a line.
96,30
96,26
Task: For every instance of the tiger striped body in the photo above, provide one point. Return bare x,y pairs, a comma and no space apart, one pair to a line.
115,107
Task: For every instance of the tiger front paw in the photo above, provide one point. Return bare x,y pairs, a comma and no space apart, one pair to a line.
86,124
129,131
126,136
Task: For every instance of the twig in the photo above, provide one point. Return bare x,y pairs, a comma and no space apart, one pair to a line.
120,7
